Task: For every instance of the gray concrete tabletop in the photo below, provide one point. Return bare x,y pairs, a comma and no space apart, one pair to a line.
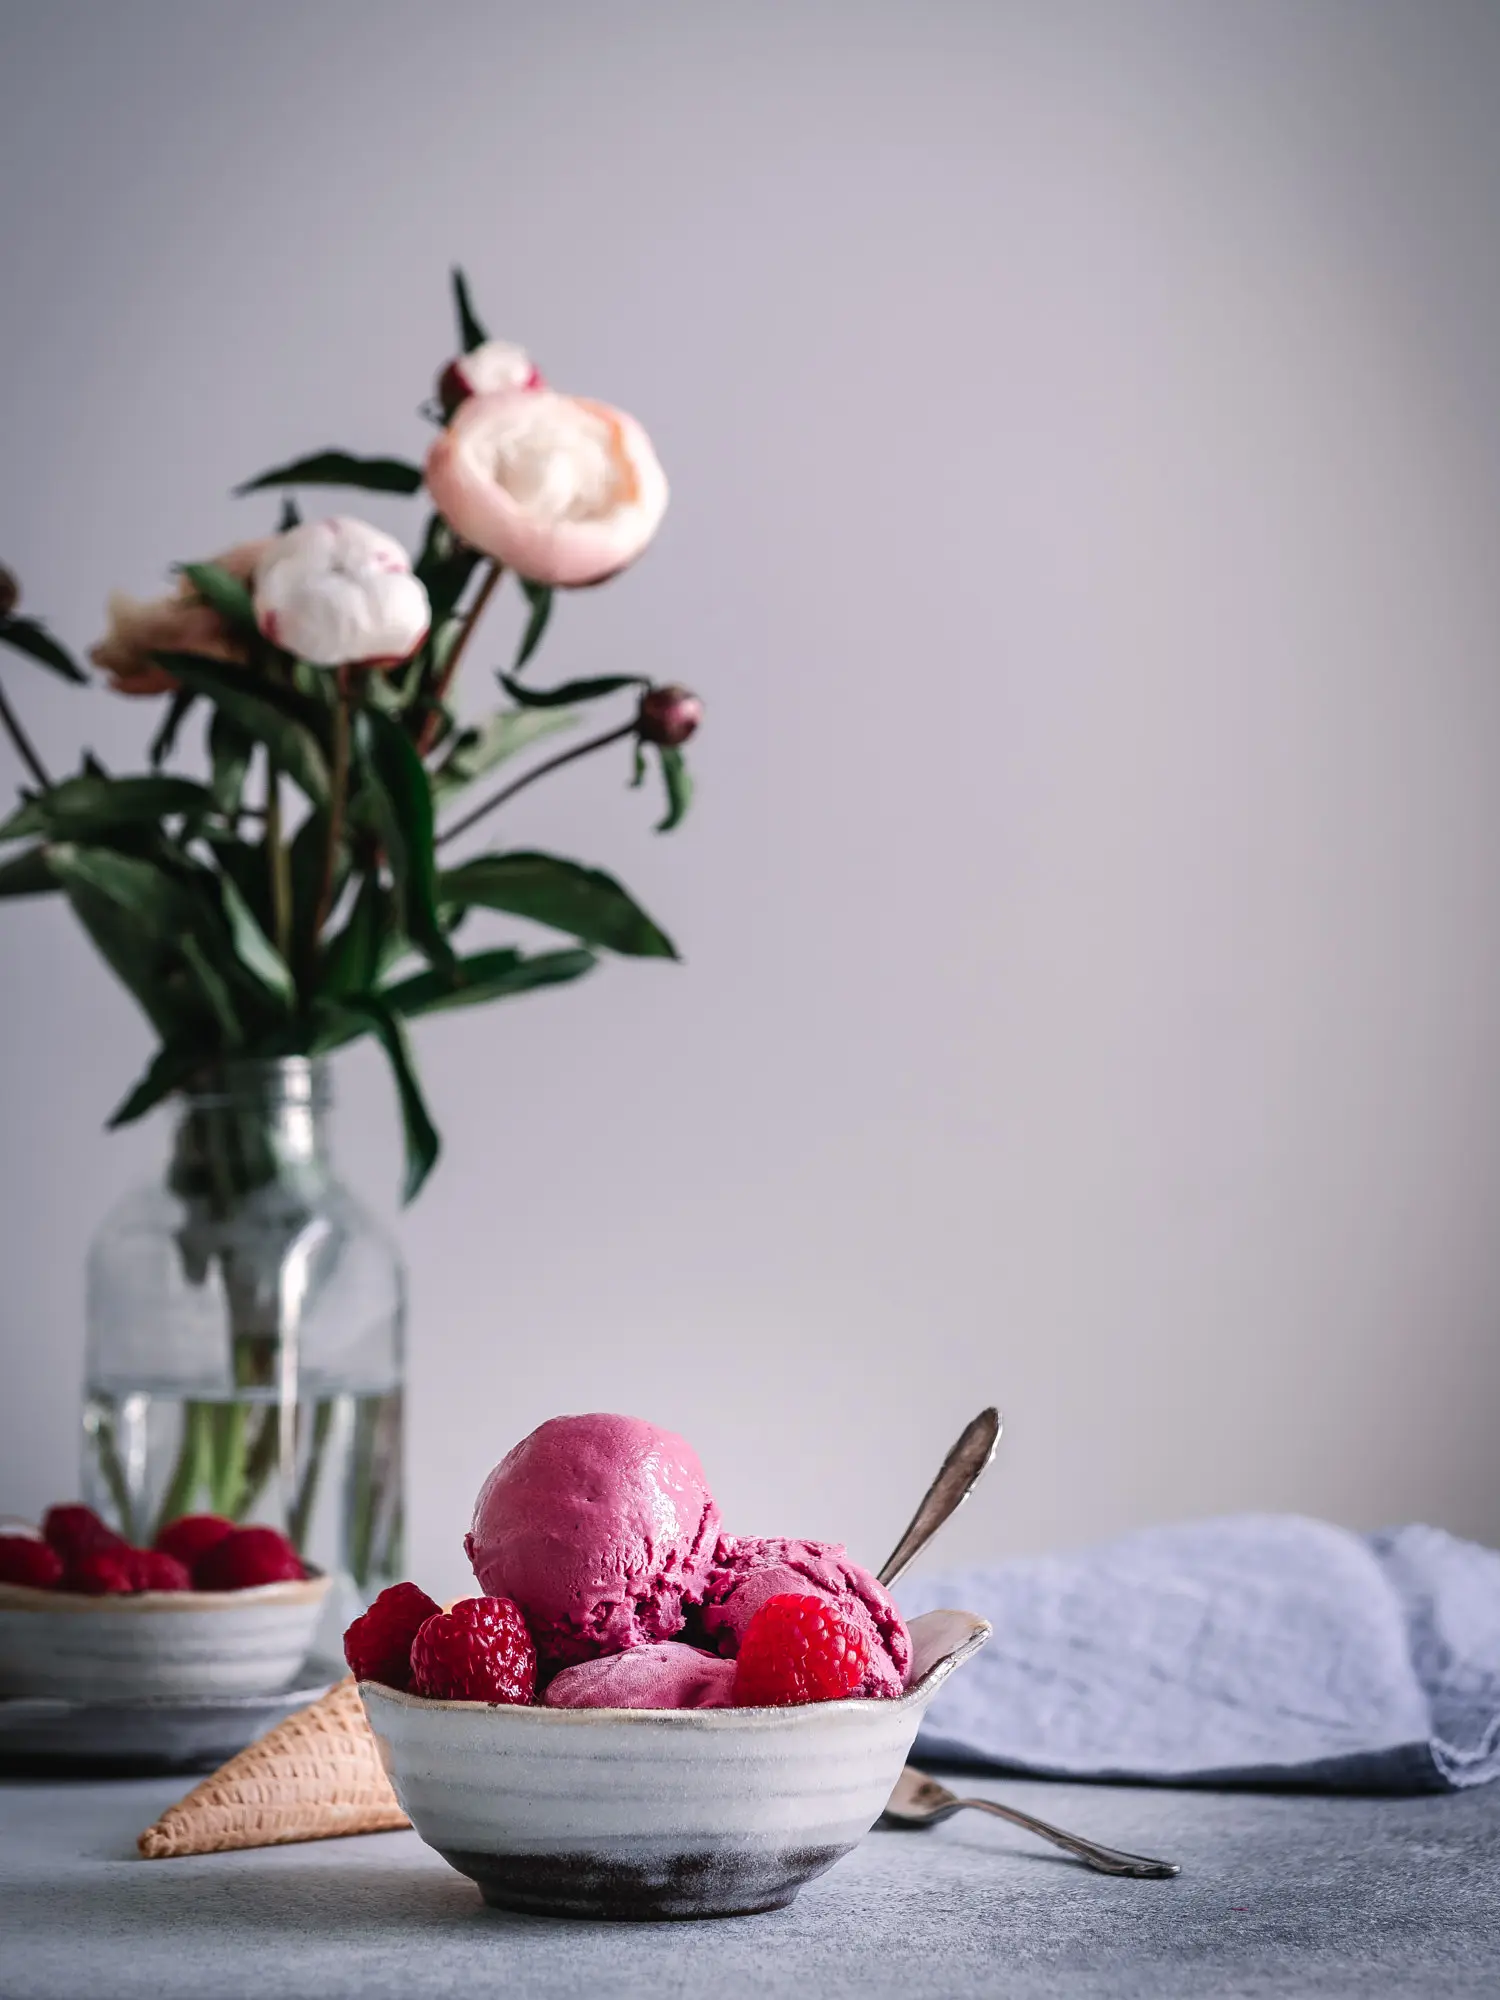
1290,1895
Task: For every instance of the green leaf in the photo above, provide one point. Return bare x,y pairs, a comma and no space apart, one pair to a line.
482,977
584,902
308,858
539,597
28,874
290,516
138,953
501,736
638,768
254,949
679,784
26,635
223,593
422,1142
278,717
93,805
570,691
164,741
402,796
247,865
470,333
341,468
230,749
215,991
351,963
168,1070
444,568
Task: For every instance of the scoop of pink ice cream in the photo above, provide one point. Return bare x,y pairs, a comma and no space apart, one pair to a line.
668,1675
598,1527
749,1569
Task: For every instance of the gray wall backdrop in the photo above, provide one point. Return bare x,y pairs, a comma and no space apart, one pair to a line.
1086,450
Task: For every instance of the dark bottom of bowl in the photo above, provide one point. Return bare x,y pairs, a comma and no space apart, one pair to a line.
704,1884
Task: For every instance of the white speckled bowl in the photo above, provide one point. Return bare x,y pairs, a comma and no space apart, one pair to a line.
652,1813
159,1645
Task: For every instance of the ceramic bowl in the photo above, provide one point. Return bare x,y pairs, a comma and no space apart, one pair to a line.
652,1813
159,1645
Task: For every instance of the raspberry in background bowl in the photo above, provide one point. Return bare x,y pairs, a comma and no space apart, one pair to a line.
122,1625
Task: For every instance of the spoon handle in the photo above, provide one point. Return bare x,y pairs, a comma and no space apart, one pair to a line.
956,1480
1108,1860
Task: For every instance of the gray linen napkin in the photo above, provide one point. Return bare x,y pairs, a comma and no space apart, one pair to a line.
1254,1650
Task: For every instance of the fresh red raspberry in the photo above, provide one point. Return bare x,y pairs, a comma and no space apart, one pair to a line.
378,1644
71,1530
478,1651
25,1560
102,1573
798,1649
154,1569
245,1558
192,1535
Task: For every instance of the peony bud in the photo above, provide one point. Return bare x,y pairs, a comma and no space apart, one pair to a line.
340,593
561,490
497,364
668,715
10,591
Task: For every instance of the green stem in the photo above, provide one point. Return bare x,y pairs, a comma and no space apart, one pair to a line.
25,748
307,1492
450,666
540,771
114,1475
281,862
189,1472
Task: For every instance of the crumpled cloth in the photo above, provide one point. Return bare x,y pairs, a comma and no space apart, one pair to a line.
1253,1650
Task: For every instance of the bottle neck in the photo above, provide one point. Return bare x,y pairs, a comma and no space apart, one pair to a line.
250,1124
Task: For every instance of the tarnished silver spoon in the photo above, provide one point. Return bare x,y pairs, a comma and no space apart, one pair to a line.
921,1801
958,1475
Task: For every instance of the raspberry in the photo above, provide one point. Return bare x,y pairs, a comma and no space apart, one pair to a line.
25,1560
102,1573
192,1535
245,1558
798,1649
478,1651
378,1644
71,1530
154,1569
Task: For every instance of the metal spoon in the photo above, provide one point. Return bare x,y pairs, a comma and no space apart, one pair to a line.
957,1477
921,1801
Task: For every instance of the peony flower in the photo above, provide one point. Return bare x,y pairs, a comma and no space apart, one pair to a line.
561,490
668,715
340,593
10,591
497,364
181,623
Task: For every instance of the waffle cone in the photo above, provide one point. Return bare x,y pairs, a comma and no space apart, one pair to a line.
315,1775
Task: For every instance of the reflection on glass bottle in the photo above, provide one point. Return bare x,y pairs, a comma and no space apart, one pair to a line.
245,1335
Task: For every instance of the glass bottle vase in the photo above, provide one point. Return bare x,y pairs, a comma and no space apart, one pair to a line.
245,1344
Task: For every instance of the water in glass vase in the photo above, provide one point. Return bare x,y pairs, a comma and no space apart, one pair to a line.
246,1322
326,1470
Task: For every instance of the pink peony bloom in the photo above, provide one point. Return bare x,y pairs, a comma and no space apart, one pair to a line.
182,623
498,364
340,593
561,490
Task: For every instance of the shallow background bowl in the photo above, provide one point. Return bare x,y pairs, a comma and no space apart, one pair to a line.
650,1813
157,1645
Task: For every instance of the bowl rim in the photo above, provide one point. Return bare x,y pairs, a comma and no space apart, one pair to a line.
310,1589
969,1632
